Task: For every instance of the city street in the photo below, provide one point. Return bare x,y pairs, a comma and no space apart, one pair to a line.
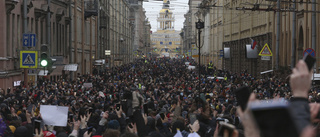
159,68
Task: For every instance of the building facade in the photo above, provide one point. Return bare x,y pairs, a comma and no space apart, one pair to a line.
166,40
235,24
216,33
226,27
84,35
138,18
296,33
188,38
120,39
190,32
147,38
50,26
77,32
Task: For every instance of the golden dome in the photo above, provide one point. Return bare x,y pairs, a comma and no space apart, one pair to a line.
165,10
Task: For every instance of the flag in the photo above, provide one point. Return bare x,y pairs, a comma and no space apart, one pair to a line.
253,44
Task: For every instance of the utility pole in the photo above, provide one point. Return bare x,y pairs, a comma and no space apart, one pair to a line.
25,30
278,35
314,33
294,38
199,26
49,27
199,46
70,38
48,32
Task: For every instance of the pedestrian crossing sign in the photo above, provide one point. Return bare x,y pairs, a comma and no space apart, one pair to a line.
265,51
28,59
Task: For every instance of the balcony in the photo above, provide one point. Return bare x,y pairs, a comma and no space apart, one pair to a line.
59,14
165,19
90,8
10,5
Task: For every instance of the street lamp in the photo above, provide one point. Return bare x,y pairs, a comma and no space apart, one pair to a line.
199,26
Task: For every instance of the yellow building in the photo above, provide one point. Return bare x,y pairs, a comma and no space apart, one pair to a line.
166,40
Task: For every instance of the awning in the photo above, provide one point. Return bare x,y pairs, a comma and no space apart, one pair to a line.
266,72
71,67
43,73
57,70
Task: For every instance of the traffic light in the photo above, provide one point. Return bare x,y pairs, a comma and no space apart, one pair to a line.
44,55
200,24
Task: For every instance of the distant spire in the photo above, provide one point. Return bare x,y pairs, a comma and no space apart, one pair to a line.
166,4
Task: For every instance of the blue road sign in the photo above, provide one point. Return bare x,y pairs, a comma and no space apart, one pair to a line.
309,51
28,59
221,53
29,40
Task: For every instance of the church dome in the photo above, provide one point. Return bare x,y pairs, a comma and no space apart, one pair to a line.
165,10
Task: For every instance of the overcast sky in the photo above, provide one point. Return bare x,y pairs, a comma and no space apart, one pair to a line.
152,8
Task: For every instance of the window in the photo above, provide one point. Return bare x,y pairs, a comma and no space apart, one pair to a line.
53,49
86,32
161,43
79,29
170,43
8,36
72,29
13,34
41,32
57,39
28,22
63,40
32,25
18,30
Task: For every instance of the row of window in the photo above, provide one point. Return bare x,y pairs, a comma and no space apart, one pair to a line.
14,34
166,35
161,43
161,39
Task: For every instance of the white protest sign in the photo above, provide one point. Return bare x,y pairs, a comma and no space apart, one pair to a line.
192,67
87,85
54,115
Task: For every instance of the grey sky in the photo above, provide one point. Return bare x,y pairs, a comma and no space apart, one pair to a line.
152,8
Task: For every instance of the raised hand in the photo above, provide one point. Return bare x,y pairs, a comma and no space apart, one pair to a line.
300,80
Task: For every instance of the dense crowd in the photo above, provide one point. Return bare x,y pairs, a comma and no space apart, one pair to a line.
157,98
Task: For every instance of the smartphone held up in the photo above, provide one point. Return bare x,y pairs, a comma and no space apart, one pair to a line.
310,61
274,119
242,96
36,125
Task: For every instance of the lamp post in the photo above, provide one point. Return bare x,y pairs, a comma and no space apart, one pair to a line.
199,26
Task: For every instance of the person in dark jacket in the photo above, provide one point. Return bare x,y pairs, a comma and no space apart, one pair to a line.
163,126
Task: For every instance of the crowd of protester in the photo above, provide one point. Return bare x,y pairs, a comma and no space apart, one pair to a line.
155,98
